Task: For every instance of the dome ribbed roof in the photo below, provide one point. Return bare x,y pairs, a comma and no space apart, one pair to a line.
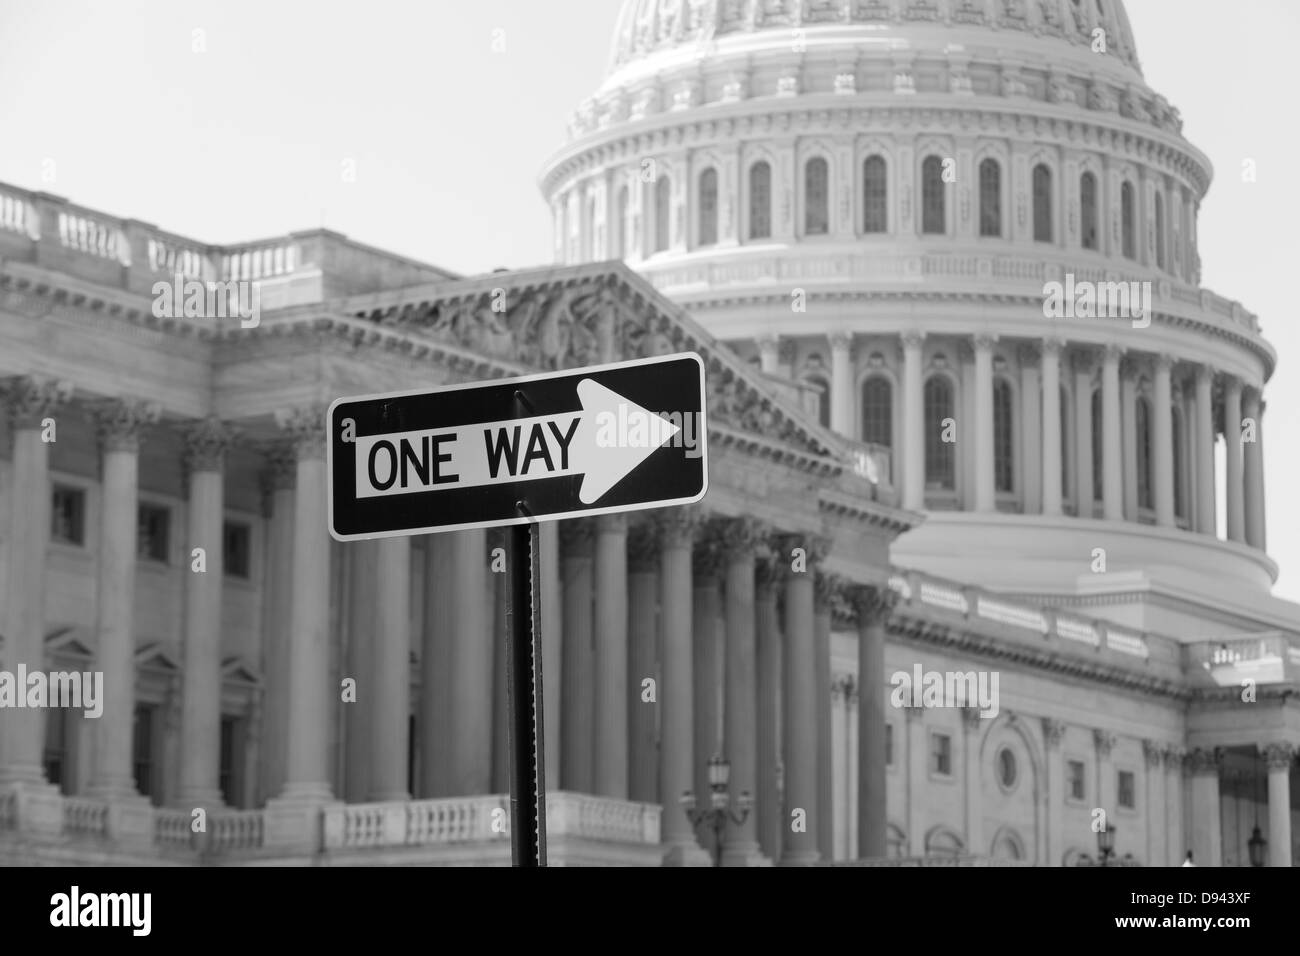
646,27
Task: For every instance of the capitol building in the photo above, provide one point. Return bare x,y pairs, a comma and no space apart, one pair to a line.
973,421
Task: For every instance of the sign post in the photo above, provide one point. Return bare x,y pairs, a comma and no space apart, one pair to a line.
513,452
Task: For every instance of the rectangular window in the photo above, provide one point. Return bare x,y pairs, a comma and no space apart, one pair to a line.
56,749
1127,789
1074,773
941,754
235,549
226,771
152,525
68,515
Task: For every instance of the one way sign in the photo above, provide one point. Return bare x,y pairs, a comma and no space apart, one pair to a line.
590,441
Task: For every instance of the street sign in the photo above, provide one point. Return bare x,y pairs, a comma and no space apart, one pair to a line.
580,442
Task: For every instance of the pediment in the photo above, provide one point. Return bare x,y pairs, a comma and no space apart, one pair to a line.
157,656
240,670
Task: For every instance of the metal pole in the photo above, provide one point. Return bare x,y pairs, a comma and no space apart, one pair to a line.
527,815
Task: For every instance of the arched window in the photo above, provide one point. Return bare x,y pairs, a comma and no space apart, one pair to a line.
1126,220
933,220
1067,446
896,841
875,194
1004,474
990,198
939,469
1007,846
1143,415
1160,231
1042,203
760,201
618,226
1097,445
709,207
943,843
878,411
816,192
663,212
1088,200
1180,469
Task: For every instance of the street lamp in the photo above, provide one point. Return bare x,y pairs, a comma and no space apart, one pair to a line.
1256,845
1105,844
718,812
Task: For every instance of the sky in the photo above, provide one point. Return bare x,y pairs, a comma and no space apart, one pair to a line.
421,127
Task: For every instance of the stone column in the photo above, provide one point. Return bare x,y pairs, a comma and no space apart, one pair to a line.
277,591
1175,842
550,621
1206,827
676,743
435,667
1128,394
769,354
471,667
1112,443
578,699
1155,778
391,692
1053,734
1162,434
768,798
1278,757
739,538
119,424
913,438
984,486
826,589
799,714
842,383
873,605
970,720
1253,472
1104,741
1029,452
292,818
643,661
1206,520
1233,475
610,726
1081,362
206,444
362,566
706,612
1052,426
917,758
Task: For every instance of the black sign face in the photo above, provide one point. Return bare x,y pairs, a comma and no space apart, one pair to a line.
598,440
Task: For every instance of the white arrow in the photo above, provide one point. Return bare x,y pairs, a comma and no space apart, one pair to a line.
604,442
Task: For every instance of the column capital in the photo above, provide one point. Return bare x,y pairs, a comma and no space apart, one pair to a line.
708,552
1053,345
304,426
742,536
1083,359
280,471
1231,384
872,604
1112,353
577,537
1278,756
1053,732
912,338
677,527
1164,362
1204,760
840,340
642,547
32,398
769,342
814,547
1204,374
206,442
767,570
829,592
984,341
1152,751
1174,757
1105,742
120,421
1029,354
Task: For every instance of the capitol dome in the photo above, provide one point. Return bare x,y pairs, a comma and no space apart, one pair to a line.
884,205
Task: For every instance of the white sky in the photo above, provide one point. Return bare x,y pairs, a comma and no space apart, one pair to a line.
108,104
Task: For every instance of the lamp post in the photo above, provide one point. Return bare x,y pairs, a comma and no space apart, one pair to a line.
719,810
1105,844
1256,845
